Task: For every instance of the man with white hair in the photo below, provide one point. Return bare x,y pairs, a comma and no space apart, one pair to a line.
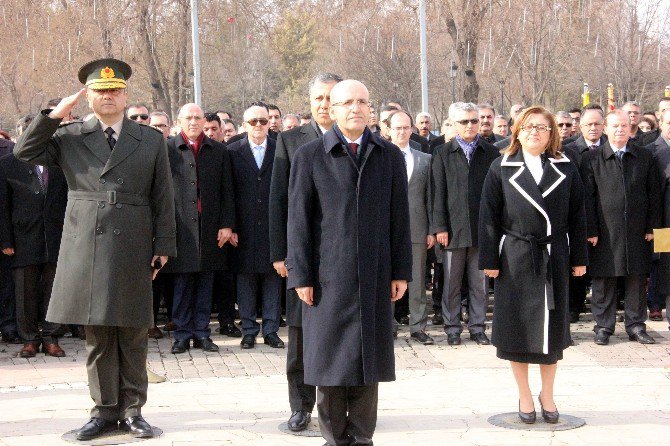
459,169
424,125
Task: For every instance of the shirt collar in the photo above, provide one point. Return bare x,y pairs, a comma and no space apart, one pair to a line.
407,149
615,149
116,127
264,144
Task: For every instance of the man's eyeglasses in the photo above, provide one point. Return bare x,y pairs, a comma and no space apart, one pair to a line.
351,103
140,116
254,122
465,122
565,124
540,128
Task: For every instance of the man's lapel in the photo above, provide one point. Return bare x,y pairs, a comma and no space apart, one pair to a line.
128,141
95,140
247,153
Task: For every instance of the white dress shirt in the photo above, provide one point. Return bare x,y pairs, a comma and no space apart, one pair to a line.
116,127
409,161
534,164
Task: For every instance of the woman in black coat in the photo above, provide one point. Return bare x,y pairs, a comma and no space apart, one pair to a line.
532,228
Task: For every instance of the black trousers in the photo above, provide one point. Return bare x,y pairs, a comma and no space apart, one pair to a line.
604,303
438,286
224,296
163,287
301,396
32,285
347,415
7,299
117,372
578,285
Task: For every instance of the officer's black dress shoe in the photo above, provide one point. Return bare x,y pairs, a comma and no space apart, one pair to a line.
248,341
549,417
137,427
642,337
11,338
602,338
453,339
299,420
423,338
181,346
527,417
273,341
230,330
480,338
96,427
206,344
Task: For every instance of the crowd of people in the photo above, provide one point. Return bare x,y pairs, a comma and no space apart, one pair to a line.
323,222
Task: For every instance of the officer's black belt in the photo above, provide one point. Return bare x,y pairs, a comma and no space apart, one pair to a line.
110,196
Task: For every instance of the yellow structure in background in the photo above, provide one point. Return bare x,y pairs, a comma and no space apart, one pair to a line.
586,95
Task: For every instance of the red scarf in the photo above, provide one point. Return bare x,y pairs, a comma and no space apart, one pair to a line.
195,148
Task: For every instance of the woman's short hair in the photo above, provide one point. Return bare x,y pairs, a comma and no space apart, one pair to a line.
554,146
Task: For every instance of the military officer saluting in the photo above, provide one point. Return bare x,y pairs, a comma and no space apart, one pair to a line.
119,229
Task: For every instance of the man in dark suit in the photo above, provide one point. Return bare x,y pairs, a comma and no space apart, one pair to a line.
459,168
8,326
205,213
271,133
622,205
349,257
302,397
418,168
659,281
487,116
424,126
119,222
32,208
252,158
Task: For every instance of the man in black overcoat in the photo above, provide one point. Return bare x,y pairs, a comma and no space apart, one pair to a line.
301,396
252,158
349,257
660,278
32,209
205,216
7,301
459,169
622,205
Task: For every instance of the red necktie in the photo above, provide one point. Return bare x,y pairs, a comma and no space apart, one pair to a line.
354,148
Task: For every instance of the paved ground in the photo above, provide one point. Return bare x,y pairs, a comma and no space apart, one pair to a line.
443,395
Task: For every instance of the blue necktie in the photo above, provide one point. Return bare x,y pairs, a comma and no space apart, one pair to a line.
258,155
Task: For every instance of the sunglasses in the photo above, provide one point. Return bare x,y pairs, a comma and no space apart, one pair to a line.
465,122
136,117
565,124
255,122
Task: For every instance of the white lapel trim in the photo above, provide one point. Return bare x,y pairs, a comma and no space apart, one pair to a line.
504,162
561,177
512,180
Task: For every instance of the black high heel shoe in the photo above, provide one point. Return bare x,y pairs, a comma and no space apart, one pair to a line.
549,417
527,417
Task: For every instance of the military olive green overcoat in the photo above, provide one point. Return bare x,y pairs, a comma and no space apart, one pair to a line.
120,212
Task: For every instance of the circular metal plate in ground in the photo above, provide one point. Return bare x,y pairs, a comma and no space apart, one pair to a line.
511,420
114,437
311,431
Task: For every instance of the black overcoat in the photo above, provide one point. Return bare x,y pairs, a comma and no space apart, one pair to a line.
32,215
530,312
348,237
120,213
252,193
457,190
287,143
209,176
661,152
622,205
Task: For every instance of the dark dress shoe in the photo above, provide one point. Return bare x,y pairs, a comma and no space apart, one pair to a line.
248,341
422,337
273,341
655,315
11,338
206,344
574,317
170,326
549,417
642,337
282,322
527,417
230,330
438,319
155,333
52,349
480,338
602,338
453,339
29,350
137,427
299,420
96,427
181,346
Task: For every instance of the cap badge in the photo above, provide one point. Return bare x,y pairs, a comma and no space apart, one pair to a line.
107,73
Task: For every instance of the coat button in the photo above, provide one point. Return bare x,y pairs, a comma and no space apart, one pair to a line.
259,178
193,182
99,230
101,204
37,192
191,164
259,200
117,231
119,205
102,181
259,223
193,218
193,201
120,181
